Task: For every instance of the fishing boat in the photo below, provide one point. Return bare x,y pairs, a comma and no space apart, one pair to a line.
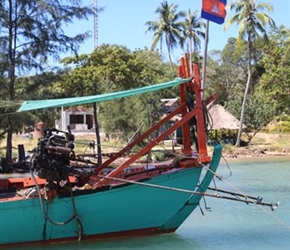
64,197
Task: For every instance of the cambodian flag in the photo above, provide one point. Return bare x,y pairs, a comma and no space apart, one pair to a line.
214,10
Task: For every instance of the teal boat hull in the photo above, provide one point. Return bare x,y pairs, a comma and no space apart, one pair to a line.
129,209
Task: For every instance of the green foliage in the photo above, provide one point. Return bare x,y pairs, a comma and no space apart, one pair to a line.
175,27
225,74
280,127
168,28
31,31
35,30
250,17
284,118
275,82
112,68
193,31
252,22
258,113
158,156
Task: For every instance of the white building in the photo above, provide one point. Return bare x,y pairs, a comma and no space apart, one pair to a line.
79,119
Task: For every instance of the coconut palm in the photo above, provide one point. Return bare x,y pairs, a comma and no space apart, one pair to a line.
252,22
192,32
168,27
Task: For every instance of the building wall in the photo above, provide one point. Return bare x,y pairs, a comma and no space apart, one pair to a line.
77,120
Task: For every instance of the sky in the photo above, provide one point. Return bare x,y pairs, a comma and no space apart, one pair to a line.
122,22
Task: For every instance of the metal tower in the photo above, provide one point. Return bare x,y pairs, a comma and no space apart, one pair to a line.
96,23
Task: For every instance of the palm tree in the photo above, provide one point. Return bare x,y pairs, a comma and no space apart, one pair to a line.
167,27
252,22
192,32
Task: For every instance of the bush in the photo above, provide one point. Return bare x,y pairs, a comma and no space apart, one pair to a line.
281,127
158,156
285,118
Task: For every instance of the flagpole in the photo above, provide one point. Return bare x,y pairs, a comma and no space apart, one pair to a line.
204,60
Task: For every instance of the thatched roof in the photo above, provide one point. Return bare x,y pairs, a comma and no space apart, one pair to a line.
168,106
223,119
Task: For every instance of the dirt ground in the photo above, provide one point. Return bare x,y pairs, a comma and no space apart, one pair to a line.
262,145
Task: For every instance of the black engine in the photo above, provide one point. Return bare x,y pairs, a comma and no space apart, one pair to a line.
52,155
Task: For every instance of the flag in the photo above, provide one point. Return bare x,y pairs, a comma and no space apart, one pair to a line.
214,10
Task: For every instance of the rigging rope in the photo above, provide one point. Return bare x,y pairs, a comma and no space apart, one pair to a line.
11,113
183,190
247,197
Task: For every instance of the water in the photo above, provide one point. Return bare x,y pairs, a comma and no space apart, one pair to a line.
229,224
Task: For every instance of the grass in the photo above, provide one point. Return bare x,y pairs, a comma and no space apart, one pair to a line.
81,144
29,144
281,143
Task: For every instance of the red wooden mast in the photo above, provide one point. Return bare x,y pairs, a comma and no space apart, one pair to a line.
192,89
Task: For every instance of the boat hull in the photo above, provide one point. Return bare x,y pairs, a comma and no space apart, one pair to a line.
118,211
126,208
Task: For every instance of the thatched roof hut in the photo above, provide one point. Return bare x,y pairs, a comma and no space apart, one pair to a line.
222,119
168,106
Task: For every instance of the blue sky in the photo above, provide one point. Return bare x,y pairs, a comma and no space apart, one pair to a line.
123,22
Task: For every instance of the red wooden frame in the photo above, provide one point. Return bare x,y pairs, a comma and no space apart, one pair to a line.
186,115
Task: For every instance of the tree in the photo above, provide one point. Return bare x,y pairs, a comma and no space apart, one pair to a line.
251,22
275,82
168,27
227,69
226,72
192,33
31,31
37,87
115,68
259,113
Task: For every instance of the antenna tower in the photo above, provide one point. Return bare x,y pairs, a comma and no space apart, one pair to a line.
96,23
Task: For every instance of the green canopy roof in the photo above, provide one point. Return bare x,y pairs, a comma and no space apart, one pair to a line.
73,101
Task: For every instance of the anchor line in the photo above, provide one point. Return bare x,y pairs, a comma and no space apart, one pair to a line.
204,201
257,203
206,207
228,166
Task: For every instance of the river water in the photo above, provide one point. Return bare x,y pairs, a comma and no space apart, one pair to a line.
226,224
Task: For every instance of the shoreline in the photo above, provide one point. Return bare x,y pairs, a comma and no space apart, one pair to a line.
253,153
227,159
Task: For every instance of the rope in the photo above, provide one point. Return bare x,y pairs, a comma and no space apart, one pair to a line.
249,200
228,166
247,197
10,113
42,205
74,216
151,185
181,190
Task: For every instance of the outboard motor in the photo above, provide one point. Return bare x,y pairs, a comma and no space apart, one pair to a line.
52,155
